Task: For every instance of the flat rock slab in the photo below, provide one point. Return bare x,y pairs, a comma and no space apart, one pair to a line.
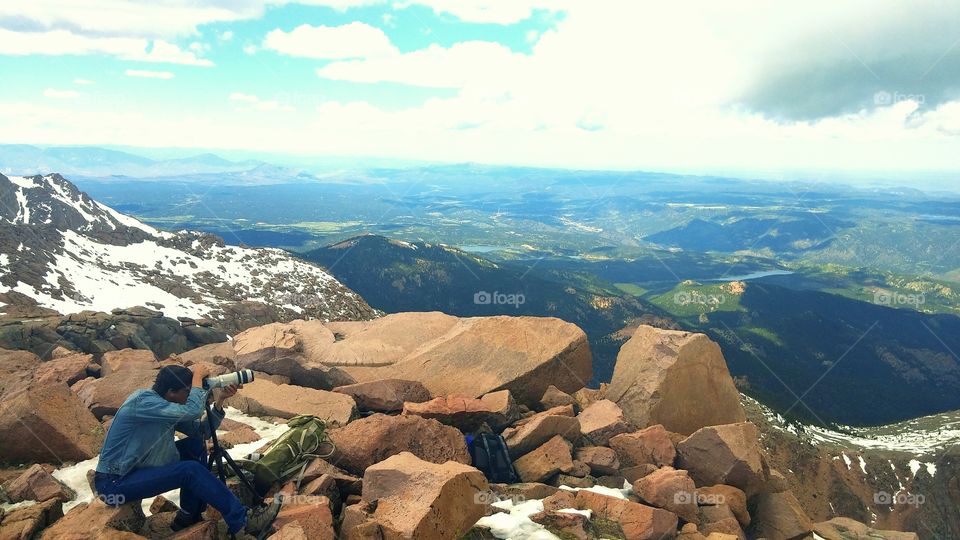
265,398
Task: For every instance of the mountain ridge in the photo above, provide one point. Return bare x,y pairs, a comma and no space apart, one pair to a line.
71,253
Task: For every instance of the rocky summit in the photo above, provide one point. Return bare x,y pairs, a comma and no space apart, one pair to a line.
70,253
608,463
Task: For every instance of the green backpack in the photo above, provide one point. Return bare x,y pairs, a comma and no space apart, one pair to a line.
290,453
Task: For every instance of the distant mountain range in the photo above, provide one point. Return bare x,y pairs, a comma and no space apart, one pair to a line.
106,164
70,253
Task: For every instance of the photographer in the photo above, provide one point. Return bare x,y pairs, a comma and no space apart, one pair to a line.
140,457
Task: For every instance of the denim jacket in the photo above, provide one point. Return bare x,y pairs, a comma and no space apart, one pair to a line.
141,434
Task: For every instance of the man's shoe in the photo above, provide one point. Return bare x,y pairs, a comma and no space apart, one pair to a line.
260,518
181,522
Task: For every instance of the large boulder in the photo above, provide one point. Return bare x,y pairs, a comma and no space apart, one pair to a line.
424,500
369,440
25,523
105,395
650,445
719,518
670,489
311,514
464,413
540,429
221,354
469,356
601,420
132,359
16,371
734,498
291,349
779,516
386,395
553,397
36,484
89,521
549,459
48,423
728,454
842,528
677,379
265,398
64,370
639,522
502,403
601,460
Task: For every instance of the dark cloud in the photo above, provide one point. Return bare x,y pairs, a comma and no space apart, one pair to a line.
847,86
910,54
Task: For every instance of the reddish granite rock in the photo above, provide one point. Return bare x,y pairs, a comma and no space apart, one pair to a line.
651,445
370,440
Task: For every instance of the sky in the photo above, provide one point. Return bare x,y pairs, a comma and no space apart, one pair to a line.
744,86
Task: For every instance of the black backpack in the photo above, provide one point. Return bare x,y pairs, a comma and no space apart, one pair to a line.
489,454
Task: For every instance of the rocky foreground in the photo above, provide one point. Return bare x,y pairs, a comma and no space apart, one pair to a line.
664,451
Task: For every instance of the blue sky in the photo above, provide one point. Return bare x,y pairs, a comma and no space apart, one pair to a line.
737,86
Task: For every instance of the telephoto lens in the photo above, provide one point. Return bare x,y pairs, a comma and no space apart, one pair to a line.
236,377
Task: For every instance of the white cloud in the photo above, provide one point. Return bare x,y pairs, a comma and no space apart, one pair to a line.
60,94
148,74
486,11
250,49
84,82
354,40
62,42
252,102
471,63
138,18
199,47
226,36
169,19
165,52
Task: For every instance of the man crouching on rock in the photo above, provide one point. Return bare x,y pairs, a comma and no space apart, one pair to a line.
141,459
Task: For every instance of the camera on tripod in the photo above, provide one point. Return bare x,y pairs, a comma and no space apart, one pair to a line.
242,376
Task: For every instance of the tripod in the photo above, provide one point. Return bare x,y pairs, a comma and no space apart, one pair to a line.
218,455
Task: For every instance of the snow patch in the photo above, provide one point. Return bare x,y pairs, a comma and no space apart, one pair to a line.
846,460
22,182
924,436
515,524
863,464
23,208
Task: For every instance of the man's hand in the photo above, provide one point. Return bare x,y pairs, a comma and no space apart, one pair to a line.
200,372
225,393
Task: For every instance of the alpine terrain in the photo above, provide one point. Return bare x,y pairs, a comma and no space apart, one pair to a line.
69,253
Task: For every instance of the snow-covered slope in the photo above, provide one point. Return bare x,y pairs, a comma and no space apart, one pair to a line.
71,253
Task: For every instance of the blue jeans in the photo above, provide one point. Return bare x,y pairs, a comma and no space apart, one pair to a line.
198,486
